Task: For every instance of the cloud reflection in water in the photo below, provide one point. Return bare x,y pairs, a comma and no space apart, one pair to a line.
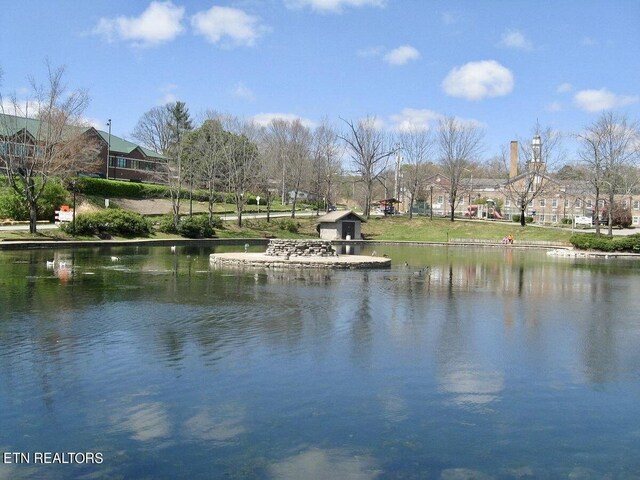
321,464
221,424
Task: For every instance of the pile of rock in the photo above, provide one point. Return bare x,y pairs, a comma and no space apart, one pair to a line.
300,248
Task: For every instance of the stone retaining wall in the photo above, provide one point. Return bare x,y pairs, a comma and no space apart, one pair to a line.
300,248
260,260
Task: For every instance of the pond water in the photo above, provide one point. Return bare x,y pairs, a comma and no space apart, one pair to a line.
464,363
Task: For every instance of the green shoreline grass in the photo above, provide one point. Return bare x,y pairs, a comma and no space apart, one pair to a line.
418,229
444,230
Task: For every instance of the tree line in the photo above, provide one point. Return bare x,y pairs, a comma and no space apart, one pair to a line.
223,152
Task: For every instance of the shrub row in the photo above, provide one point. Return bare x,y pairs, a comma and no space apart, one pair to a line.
516,218
118,189
197,226
110,222
137,190
591,241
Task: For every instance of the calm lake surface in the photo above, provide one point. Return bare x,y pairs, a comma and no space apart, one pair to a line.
492,363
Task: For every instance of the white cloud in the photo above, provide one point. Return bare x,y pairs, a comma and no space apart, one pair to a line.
603,99
554,107
564,88
374,122
263,119
225,23
589,42
415,119
515,39
160,22
96,123
333,6
402,55
243,92
478,80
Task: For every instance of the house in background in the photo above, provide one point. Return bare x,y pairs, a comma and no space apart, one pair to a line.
300,195
340,225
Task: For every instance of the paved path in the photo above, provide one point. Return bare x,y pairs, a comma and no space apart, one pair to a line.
25,227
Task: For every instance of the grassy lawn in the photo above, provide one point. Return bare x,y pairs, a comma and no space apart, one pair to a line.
441,230
277,227
383,228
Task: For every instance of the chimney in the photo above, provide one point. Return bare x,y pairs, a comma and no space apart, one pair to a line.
513,167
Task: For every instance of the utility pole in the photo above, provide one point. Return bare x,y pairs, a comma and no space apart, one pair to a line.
108,149
396,192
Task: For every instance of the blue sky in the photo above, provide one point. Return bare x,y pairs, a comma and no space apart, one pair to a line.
503,64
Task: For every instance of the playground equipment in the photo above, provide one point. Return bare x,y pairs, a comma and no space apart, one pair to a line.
489,212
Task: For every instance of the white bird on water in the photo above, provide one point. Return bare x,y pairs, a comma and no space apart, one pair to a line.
115,259
173,249
51,263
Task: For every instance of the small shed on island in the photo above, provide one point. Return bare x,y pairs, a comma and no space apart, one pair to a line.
340,225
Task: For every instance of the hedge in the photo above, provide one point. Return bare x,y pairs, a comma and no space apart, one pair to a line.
110,222
591,241
137,190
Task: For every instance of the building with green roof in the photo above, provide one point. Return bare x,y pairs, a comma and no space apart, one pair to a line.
118,158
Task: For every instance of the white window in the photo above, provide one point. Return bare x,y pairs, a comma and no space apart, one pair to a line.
543,202
566,202
554,203
636,220
589,203
625,204
636,204
440,199
600,203
578,203
554,218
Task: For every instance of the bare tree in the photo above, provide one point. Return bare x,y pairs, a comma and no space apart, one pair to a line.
203,150
153,130
52,144
270,170
610,146
534,159
326,164
369,149
460,144
275,138
241,158
416,146
162,129
299,158
290,142
591,155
